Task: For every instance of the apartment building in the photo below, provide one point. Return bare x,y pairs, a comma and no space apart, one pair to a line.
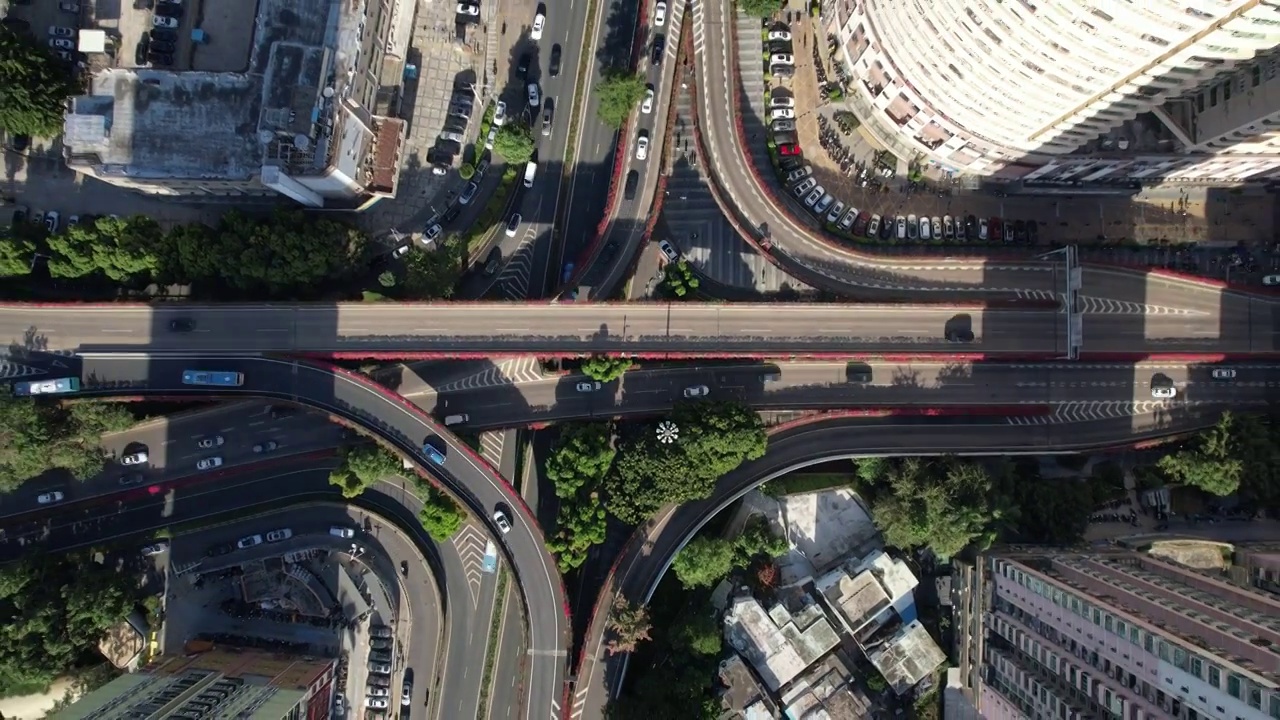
1070,90
1042,633
310,117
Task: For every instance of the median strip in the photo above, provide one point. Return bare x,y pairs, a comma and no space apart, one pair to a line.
491,649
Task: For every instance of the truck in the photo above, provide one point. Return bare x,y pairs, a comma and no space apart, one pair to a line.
46,387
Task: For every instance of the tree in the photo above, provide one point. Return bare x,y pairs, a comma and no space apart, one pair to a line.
36,437
759,8
1212,465
581,458
618,94
942,505
704,562
629,625
714,439
1257,440
514,143
16,254
581,524
387,279
698,632
362,467
432,274
122,249
759,541
92,419
679,280
604,368
440,515
34,86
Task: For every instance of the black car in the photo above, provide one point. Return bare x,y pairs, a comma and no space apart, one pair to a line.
450,215
629,189
19,217
165,9
220,549
971,227
182,325
132,479
20,143
523,66
163,46
659,47
281,411
160,59
164,34
960,336
140,52
1020,231
886,227
554,69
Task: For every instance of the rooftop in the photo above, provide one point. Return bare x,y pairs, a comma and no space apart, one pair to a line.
907,658
860,599
779,645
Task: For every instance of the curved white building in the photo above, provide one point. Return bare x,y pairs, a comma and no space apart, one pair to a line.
1091,89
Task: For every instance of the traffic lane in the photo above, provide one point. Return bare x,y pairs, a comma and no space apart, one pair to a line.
1181,334
506,692
465,663
172,452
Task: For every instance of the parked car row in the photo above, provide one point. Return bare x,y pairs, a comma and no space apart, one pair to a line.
782,59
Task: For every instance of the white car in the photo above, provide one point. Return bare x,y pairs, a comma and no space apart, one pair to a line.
782,114
513,225
1224,374
62,44
924,228
468,10
697,391
782,59
164,21
642,146
51,221
500,114
215,441
380,668
432,233
376,691
502,521
155,548
400,251
535,95
209,463
136,458
267,446
59,31
646,105
539,22
780,35
248,542
659,14
1271,280
374,703
278,535
1164,392
669,250
343,532
784,102
588,386
50,498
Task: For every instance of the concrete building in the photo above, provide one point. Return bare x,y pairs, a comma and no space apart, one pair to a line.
215,683
1117,633
1071,90
906,657
867,594
309,118
779,643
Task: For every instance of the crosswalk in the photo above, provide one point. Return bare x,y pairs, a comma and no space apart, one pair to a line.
471,543
491,444
699,30
675,16
513,282
1090,305
511,371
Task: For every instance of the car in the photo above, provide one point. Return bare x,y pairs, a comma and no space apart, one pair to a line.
782,71
539,23
160,59
380,656
51,221
163,46
61,44
376,703
453,136
135,458
219,550
782,126
339,705
378,668
433,453
431,233
547,117
1271,280
948,227
913,227
513,224
790,149
523,65
937,228
886,228
782,114
799,173
131,479
659,47
783,102
154,548
49,498
873,226
697,391
996,229
245,543
814,196
959,336
281,411
279,535
982,229
1164,392
468,10
659,14
587,386
1223,374
380,631
824,203
209,442
181,325
860,220
646,105
502,521
668,250
73,8
535,95
162,21
499,114
782,59
1020,231
779,35
804,187
164,34
267,446
73,221
406,692
901,227
168,9
469,192
400,251
209,463
924,231
642,145
61,31
554,67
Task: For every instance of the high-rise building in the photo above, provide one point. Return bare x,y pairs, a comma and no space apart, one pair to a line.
215,683
1078,90
1043,633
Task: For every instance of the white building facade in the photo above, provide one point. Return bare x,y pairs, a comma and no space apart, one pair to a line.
1078,90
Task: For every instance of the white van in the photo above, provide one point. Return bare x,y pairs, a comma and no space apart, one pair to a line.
343,532
456,419
529,171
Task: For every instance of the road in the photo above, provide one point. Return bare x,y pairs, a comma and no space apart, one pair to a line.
1170,316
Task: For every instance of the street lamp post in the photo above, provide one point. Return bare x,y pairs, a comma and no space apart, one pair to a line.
1070,294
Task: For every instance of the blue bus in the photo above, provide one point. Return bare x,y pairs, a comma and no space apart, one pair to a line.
47,387
212,377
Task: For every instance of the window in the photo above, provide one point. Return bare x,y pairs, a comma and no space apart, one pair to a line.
1255,697
1122,628
1097,616
1148,643
1256,72
1108,624
1133,635
1180,657
1164,651
1233,686
1275,706
1197,666
1226,91
1213,96
1200,102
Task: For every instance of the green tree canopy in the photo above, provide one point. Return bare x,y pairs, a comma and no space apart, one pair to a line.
714,439
581,523
679,280
362,467
944,505
34,85
1211,464
618,94
53,611
36,437
431,274
605,368
514,143
704,562
629,625
1257,439
122,249
16,254
759,8
582,456
440,515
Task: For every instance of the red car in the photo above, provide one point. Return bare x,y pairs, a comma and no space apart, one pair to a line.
786,150
997,231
